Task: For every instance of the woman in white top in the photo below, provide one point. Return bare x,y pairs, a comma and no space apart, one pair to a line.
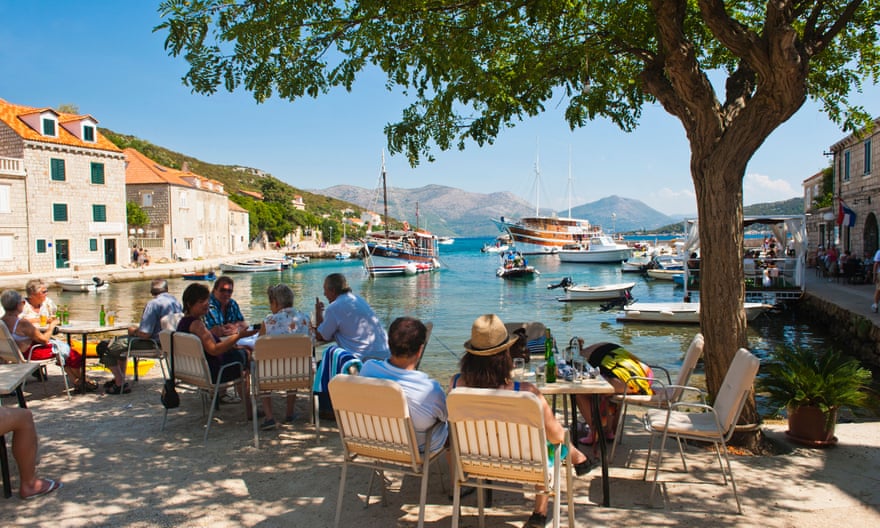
284,319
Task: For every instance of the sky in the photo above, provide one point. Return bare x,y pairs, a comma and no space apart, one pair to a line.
103,57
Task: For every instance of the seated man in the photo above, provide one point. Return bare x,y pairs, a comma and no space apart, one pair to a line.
425,397
146,334
20,422
349,321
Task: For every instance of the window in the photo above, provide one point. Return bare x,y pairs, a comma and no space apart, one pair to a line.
99,213
147,199
57,169
48,127
97,173
183,199
88,133
846,166
41,245
868,156
5,247
59,212
4,199
93,244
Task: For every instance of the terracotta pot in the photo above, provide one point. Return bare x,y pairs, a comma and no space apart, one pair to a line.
811,426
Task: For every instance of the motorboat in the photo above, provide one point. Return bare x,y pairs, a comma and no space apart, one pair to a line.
283,261
583,292
399,252
446,241
682,312
638,265
665,267
300,259
515,266
206,276
500,245
665,274
249,267
74,284
599,249
343,255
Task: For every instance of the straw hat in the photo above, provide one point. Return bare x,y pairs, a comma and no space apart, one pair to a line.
489,336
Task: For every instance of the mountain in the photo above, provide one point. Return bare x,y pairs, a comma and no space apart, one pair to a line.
618,214
792,206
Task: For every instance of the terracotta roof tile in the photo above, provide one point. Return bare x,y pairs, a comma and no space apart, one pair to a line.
11,114
141,170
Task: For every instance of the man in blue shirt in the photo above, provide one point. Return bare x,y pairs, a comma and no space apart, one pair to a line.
425,397
224,317
349,321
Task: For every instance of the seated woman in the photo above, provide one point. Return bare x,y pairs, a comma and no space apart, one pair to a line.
284,319
617,365
25,335
486,364
37,302
218,353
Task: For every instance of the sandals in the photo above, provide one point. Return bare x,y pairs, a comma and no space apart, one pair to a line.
116,389
585,467
86,386
268,424
53,485
537,520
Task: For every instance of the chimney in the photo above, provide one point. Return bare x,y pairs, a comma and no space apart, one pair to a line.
184,167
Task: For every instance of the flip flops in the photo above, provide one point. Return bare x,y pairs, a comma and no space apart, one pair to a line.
53,485
590,439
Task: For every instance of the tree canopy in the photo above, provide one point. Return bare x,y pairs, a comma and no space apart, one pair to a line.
730,72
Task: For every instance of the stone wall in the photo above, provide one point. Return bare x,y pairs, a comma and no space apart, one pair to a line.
856,335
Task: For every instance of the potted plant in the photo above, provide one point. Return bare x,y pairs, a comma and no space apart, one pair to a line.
812,386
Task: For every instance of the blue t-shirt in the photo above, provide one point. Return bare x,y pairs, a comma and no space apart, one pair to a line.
354,326
216,316
160,306
425,397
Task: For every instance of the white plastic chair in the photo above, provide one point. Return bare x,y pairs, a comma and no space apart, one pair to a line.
377,433
10,353
499,442
282,363
191,369
715,424
663,393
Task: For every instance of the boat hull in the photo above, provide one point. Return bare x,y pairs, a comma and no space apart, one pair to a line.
401,253
248,268
81,285
590,256
677,313
663,274
541,235
521,272
596,293
200,276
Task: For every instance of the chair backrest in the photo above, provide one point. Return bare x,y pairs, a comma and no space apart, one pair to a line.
736,386
691,357
190,365
534,329
9,350
373,420
498,435
283,362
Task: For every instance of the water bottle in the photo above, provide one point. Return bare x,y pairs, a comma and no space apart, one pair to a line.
549,358
102,316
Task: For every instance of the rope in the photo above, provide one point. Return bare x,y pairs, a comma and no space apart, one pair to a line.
437,339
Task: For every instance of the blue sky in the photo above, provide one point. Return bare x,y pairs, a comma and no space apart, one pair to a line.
102,56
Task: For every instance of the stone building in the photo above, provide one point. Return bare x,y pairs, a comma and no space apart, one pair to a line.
62,192
189,214
857,187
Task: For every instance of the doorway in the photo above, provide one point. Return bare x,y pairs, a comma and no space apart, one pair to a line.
109,251
62,254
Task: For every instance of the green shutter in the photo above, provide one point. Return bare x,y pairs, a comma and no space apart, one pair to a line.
88,133
98,173
41,246
59,212
93,244
99,213
57,169
48,127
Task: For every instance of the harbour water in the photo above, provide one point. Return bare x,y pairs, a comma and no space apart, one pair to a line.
464,288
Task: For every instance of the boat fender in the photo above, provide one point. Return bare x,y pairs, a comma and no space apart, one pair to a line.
666,312
411,269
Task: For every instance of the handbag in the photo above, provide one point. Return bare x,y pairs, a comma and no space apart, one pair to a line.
170,398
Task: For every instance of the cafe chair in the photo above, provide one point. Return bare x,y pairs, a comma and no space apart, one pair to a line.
10,353
685,420
191,370
140,348
663,393
499,442
377,433
282,363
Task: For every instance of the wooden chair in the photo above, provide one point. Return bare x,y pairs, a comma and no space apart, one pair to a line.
377,433
664,394
10,353
191,369
705,423
499,442
282,363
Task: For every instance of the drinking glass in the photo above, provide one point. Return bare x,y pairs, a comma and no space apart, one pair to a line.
577,366
42,319
539,374
519,367
111,318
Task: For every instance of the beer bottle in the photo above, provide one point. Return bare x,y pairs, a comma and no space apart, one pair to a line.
549,359
102,316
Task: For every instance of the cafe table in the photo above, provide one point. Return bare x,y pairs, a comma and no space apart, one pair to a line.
12,377
84,328
596,387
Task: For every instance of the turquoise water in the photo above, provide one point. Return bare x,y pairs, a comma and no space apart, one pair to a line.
465,288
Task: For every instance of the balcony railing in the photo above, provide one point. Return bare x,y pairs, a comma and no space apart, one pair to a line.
12,166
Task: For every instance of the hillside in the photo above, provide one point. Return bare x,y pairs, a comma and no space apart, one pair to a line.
618,214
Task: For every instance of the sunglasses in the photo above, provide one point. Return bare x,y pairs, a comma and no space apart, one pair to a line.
225,290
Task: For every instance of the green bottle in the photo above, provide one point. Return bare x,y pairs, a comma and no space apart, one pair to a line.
102,316
549,359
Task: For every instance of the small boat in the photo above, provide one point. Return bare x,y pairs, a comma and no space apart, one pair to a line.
683,312
445,241
665,274
515,266
600,249
343,255
95,284
207,276
300,259
284,262
248,267
606,292
639,265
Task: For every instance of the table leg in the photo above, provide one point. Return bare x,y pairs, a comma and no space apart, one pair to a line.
573,425
600,436
4,464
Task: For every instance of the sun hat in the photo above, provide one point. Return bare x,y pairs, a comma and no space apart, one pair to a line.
489,336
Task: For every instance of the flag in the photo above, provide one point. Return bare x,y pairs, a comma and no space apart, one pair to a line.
845,216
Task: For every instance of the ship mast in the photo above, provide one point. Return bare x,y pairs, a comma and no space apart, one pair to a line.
385,196
569,181
537,184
